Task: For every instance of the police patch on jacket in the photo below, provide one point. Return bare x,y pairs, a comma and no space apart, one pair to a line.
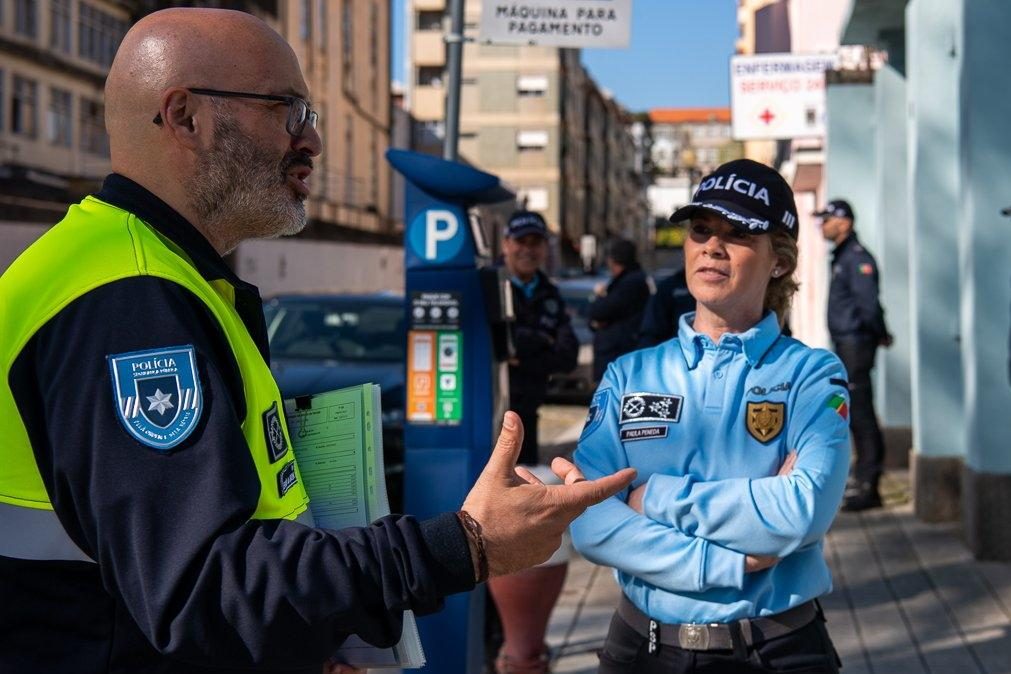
286,479
277,445
765,420
650,407
595,415
157,394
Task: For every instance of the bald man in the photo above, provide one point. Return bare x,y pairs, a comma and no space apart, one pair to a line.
152,516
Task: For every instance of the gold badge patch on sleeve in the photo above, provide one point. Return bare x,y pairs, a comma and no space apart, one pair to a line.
765,420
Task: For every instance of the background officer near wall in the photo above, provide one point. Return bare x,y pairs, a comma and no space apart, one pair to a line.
856,323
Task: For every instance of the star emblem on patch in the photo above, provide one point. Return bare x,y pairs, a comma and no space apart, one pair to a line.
159,401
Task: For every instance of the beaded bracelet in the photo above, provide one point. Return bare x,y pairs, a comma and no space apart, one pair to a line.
473,528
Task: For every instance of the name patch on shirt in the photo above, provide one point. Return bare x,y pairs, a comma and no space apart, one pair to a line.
644,433
157,394
650,407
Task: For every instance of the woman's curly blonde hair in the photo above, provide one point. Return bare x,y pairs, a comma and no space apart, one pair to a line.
779,294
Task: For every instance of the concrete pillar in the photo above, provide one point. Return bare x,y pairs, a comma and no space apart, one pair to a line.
892,387
932,62
985,266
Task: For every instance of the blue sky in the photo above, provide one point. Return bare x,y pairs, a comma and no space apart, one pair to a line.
678,56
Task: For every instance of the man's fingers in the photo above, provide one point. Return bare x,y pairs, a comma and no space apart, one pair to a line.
527,476
507,449
566,471
585,493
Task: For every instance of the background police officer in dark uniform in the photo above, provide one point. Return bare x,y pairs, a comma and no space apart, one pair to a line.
542,331
616,313
664,310
545,343
856,323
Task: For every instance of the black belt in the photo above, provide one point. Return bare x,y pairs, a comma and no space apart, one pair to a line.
716,636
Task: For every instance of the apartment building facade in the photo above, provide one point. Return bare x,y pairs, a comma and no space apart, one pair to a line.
54,56
533,116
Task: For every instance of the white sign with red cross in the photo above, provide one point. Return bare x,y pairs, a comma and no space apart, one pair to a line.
776,96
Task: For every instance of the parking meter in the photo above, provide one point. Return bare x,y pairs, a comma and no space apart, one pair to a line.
456,381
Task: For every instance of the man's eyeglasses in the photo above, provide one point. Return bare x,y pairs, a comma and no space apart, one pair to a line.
299,112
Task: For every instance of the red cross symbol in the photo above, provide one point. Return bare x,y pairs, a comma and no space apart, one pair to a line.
767,116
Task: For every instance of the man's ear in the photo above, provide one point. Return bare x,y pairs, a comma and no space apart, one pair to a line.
183,116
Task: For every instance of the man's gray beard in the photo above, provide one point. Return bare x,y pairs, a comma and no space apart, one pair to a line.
239,188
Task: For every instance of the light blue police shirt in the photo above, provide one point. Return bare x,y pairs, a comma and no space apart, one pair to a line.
708,427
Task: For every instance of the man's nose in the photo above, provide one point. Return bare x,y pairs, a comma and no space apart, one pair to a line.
308,142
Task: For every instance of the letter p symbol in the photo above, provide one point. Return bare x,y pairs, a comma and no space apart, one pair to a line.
440,226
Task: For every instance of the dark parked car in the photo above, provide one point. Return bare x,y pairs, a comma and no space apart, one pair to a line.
320,343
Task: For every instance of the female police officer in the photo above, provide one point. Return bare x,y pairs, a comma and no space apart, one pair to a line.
740,437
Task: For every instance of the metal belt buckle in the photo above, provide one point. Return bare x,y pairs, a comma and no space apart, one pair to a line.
694,637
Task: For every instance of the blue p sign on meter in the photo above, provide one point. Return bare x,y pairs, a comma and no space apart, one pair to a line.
439,236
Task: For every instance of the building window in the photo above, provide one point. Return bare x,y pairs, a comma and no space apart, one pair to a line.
429,20
60,115
531,140
349,161
347,38
322,20
25,19
374,52
532,85
430,76
305,26
93,136
59,25
24,107
99,34
533,198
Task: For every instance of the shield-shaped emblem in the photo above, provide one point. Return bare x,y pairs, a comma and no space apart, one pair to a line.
157,394
765,420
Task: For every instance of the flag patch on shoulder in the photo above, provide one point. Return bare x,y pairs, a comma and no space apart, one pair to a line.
838,403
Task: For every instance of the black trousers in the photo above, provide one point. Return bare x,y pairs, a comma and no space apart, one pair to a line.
808,650
529,454
858,357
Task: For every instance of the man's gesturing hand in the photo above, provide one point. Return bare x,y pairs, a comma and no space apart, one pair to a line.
522,520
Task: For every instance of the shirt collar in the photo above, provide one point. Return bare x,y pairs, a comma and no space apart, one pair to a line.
527,287
120,191
755,341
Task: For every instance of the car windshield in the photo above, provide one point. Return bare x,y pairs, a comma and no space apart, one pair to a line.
327,330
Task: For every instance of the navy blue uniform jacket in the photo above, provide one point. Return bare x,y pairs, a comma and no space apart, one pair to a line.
854,312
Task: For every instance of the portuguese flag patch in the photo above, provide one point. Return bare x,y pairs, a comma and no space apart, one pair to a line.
838,403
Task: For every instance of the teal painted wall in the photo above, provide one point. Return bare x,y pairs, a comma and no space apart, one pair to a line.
932,63
892,387
985,260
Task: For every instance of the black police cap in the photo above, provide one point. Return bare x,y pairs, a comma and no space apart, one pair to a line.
522,223
751,196
837,208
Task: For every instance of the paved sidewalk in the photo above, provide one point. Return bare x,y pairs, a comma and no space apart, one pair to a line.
908,599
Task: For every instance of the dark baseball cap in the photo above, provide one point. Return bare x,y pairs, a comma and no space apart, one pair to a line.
837,208
750,195
522,223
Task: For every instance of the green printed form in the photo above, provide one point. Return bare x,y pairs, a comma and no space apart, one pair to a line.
338,443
